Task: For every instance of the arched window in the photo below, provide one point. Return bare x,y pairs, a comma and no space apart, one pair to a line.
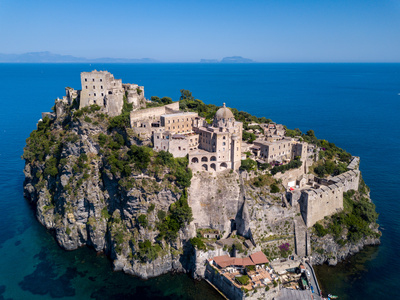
213,158
224,166
204,167
205,159
214,167
195,160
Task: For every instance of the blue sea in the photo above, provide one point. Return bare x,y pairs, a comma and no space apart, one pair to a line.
356,106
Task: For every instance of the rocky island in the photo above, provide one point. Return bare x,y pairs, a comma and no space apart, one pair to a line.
162,186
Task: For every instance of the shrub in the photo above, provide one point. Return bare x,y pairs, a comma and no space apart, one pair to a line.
142,220
243,280
248,165
148,251
320,230
274,188
198,243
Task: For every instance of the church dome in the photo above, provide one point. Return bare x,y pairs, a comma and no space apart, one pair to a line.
224,113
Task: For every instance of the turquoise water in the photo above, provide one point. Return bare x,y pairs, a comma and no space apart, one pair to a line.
354,105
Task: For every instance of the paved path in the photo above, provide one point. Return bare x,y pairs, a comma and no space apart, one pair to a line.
314,282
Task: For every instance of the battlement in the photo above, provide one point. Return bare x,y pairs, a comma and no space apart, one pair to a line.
324,197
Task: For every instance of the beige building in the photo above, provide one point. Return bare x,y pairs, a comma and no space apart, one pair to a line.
101,88
178,145
181,122
219,143
279,150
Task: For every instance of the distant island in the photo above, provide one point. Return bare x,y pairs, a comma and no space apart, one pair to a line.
48,57
228,60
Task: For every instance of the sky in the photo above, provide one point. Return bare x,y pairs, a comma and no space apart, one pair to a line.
187,31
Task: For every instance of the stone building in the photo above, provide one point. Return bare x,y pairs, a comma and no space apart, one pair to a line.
219,143
146,122
181,122
323,197
101,88
178,145
279,150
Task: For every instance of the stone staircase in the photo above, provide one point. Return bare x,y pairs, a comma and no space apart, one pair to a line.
301,238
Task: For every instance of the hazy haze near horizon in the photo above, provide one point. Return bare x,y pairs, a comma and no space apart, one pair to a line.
186,31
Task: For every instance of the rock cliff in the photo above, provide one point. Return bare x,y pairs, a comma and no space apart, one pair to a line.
94,183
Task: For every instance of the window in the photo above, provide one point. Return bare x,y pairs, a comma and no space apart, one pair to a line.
85,79
86,87
94,87
101,80
102,94
101,87
223,144
179,148
95,94
93,79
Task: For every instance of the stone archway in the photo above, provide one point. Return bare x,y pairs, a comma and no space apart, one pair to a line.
223,166
213,158
204,167
214,167
204,159
195,160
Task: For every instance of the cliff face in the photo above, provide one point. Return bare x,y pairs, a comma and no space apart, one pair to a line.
95,183
79,175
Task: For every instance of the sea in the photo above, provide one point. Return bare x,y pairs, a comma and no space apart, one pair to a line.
356,106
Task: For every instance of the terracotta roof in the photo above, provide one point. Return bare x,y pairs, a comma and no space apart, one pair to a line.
259,258
221,260
246,261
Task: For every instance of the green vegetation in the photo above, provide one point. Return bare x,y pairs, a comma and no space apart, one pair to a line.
198,243
142,221
358,214
159,102
263,180
293,164
123,120
248,164
329,167
243,280
179,214
274,188
42,142
188,102
248,136
148,251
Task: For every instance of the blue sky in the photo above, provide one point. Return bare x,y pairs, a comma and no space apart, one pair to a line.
186,31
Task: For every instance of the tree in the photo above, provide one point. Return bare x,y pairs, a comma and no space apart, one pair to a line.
186,95
166,100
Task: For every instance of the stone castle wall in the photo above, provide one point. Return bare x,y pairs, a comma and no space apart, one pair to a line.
153,113
326,198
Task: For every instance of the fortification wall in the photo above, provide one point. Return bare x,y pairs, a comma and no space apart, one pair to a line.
223,284
327,199
153,113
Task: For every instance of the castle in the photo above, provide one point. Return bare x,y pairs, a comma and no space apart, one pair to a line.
101,88
218,146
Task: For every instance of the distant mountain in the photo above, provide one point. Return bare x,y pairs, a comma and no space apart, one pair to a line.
48,57
228,60
236,60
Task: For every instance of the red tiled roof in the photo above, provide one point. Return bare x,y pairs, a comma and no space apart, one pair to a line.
259,258
221,260
247,261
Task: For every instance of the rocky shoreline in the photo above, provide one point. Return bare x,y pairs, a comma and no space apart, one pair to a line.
89,188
